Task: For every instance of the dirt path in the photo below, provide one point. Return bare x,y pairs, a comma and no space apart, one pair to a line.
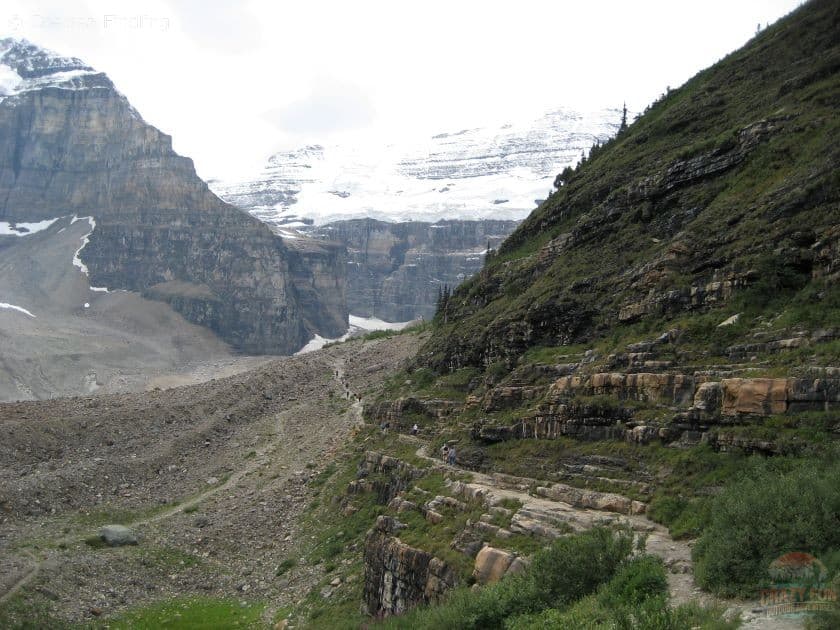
675,554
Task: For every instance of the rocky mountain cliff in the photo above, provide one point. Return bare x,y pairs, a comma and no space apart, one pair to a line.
73,145
483,173
396,271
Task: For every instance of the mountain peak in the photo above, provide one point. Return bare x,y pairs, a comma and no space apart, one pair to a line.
25,66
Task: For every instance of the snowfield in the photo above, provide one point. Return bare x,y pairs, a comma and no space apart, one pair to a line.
487,173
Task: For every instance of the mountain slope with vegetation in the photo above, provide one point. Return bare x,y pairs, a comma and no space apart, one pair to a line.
731,178
658,344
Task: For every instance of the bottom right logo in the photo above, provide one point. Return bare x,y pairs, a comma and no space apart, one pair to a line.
800,584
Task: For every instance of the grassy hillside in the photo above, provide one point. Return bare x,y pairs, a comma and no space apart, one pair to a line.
731,177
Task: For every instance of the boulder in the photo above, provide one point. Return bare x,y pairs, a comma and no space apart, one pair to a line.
605,501
491,564
117,535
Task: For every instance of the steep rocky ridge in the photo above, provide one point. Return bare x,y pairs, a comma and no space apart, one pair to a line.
396,271
73,145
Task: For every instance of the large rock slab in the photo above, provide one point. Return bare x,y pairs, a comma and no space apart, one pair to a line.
491,565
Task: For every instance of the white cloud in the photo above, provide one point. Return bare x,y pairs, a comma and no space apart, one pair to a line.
331,106
207,72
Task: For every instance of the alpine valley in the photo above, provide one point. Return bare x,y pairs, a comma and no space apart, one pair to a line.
628,417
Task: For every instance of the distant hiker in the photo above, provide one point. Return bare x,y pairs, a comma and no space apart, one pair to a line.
451,459
415,429
444,452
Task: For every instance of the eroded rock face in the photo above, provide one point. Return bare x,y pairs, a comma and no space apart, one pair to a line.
75,146
391,476
646,387
765,396
403,412
718,291
395,271
398,576
696,406
685,172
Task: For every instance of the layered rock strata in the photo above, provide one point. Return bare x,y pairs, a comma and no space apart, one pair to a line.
73,145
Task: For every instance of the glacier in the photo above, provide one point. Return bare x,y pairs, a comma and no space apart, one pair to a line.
483,173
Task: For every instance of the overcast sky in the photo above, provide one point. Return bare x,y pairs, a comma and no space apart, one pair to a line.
234,81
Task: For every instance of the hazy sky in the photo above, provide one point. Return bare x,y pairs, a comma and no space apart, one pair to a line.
234,81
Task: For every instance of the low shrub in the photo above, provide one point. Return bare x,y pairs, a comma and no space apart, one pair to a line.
770,512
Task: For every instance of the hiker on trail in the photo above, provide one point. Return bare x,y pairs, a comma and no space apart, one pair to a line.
445,452
415,429
452,456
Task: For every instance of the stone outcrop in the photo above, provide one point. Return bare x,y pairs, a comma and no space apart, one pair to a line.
605,501
724,157
645,387
581,420
719,290
398,576
690,405
395,271
75,146
510,396
402,413
765,396
383,475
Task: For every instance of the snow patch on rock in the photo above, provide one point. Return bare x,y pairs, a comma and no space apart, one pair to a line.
24,229
15,308
358,326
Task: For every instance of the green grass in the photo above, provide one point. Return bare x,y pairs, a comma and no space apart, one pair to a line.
189,613
30,611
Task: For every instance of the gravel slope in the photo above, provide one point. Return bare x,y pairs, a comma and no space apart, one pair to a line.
211,476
